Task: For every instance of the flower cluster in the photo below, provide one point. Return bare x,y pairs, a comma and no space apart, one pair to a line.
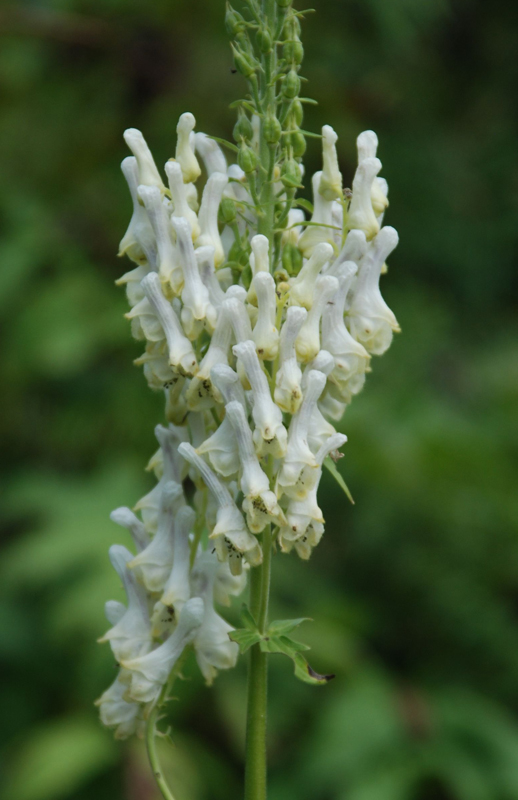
259,343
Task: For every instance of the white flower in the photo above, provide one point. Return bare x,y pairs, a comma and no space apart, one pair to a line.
114,611
260,503
175,405
302,288
150,672
116,712
155,363
138,243
367,144
361,214
265,334
131,635
131,280
222,450
181,355
211,153
144,321
288,393
298,454
319,429
307,343
155,562
184,151
177,590
354,249
167,263
270,436
259,261
208,215
228,384
212,646
296,218
195,295
148,174
200,394
205,259
227,585
331,408
126,518
173,465
371,321
179,196
351,358
331,182
322,216
231,537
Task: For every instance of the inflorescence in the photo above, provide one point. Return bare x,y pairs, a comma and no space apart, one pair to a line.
259,325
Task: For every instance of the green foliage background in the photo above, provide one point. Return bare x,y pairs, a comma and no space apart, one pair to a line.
413,591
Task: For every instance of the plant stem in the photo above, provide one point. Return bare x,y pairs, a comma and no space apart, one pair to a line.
151,731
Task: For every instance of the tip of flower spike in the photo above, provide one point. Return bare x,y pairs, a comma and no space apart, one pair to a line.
186,123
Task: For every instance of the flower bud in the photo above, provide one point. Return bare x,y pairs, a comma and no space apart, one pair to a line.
234,22
293,51
291,84
290,174
291,259
242,129
243,63
227,211
247,159
297,140
272,129
297,109
264,40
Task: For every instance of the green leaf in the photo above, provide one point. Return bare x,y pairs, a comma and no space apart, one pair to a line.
291,648
248,620
224,142
282,626
330,465
244,638
300,201
305,672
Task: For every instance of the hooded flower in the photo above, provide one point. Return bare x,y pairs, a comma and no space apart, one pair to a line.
212,646
371,321
231,538
131,634
116,712
150,672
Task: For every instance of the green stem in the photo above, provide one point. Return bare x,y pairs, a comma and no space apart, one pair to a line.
151,731
255,767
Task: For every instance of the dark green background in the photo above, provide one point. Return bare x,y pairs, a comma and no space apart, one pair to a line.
413,591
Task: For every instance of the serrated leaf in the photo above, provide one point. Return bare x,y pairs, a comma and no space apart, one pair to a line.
329,464
282,626
244,638
248,620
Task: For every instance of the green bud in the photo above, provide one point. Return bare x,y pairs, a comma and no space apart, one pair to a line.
272,129
298,143
284,3
247,159
291,84
227,211
291,259
264,40
246,276
242,129
234,22
243,64
290,174
297,110
293,51
291,28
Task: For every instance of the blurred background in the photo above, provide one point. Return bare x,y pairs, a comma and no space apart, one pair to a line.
414,590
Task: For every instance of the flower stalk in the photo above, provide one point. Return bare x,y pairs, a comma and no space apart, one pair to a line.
258,325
